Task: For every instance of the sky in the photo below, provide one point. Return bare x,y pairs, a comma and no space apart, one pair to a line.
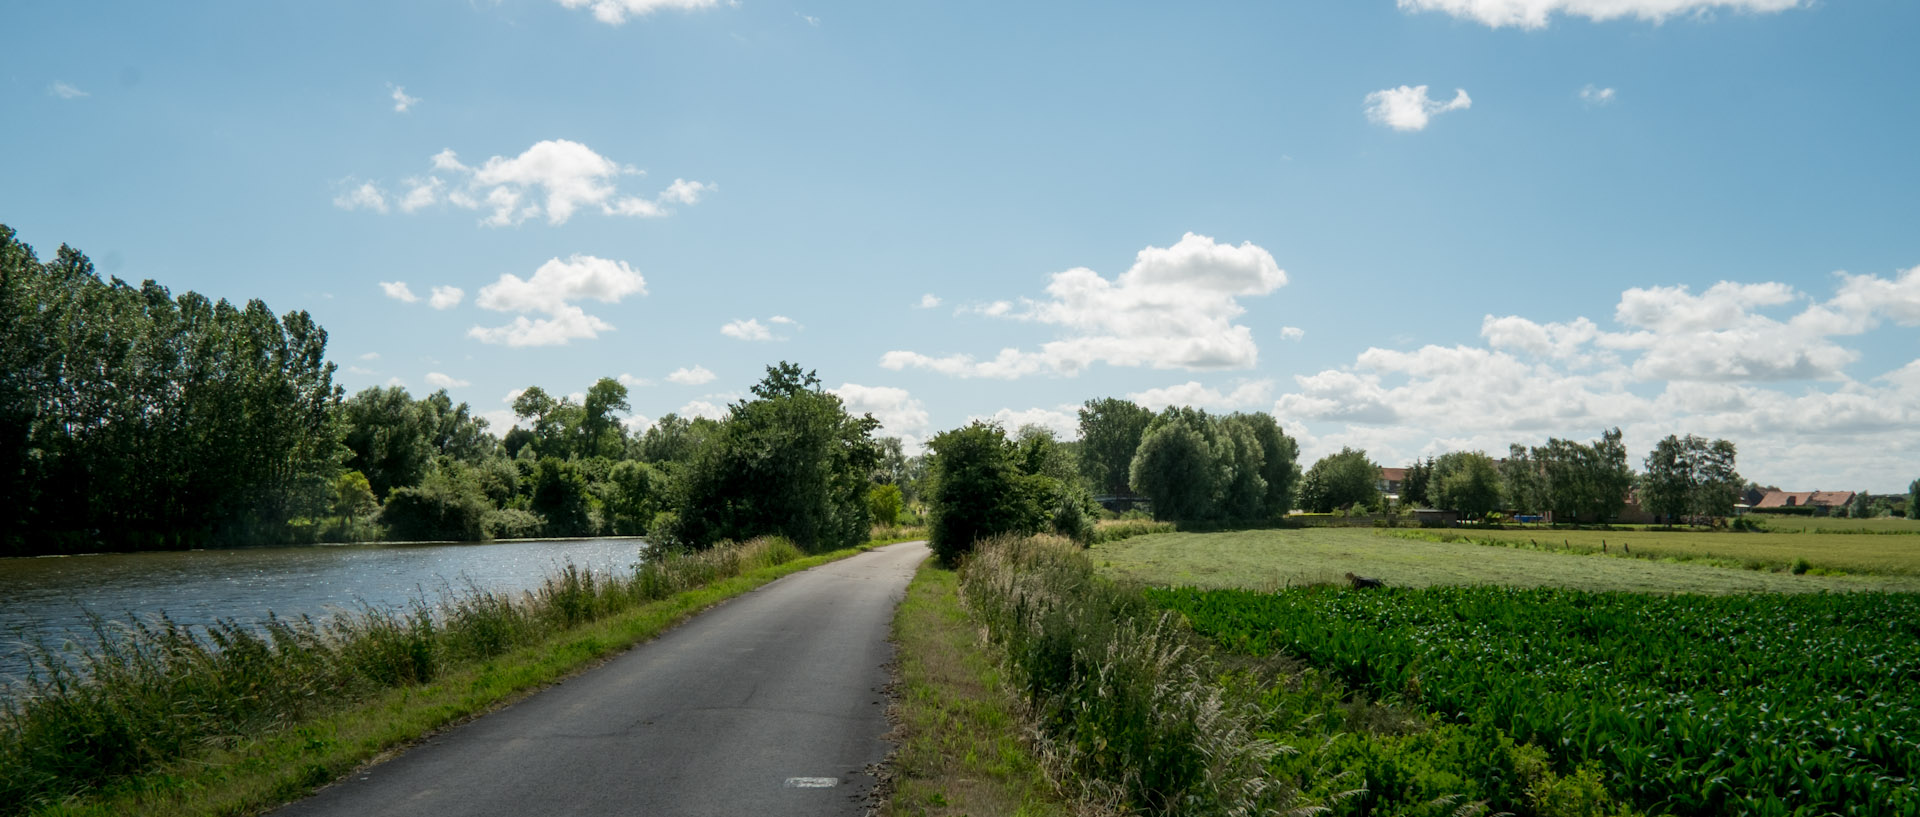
1411,227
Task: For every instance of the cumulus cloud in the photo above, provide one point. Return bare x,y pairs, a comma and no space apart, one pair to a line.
66,91
1596,96
1062,420
1292,333
691,377
900,415
550,294
1535,13
1762,364
554,178
1246,395
1173,309
703,408
1409,109
630,380
399,291
370,356
446,297
752,329
929,301
363,196
445,381
401,102
616,12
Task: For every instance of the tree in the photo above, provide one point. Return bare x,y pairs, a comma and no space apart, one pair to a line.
560,496
447,505
1468,482
884,502
1341,480
978,490
1523,481
1581,480
1415,489
1177,467
387,438
790,461
1690,477
599,433
634,492
1279,462
1913,499
1110,433
352,496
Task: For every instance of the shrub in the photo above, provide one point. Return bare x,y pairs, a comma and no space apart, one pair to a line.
514,523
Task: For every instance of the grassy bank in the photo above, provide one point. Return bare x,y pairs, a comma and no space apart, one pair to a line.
166,721
1272,559
962,744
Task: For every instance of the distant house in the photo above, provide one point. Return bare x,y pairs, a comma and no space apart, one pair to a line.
1830,500
1390,481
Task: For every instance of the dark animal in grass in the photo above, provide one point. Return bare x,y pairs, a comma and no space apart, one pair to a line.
1363,582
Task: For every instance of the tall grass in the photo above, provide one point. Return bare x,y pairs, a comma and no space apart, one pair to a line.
1127,707
147,693
1114,530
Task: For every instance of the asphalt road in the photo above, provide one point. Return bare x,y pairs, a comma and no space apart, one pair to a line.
772,703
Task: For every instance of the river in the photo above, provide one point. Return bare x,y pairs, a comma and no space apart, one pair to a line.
49,598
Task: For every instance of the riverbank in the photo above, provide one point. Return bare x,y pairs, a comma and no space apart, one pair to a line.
172,727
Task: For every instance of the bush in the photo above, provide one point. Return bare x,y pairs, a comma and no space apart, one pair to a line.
979,491
446,506
513,523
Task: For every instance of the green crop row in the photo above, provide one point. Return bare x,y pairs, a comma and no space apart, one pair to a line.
1688,704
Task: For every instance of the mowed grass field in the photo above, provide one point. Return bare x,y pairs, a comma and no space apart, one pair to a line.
1273,559
1888,549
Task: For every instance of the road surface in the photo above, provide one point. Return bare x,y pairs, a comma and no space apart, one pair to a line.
772,703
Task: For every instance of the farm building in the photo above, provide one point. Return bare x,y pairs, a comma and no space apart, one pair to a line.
1831,500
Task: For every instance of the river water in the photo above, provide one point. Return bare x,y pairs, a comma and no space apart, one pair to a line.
50,598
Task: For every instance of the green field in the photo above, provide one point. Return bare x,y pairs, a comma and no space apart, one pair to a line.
1273,559
1880,549
1751,704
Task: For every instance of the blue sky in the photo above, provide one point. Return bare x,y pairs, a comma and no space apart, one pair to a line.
1411,227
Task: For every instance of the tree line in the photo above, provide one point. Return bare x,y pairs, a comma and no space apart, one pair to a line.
134,419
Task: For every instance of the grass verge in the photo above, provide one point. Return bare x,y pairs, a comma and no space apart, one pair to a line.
1272,559
960,740
1825,551
286,757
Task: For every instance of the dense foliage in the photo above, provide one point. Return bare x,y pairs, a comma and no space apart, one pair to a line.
1690,477
788,462
133,418
1345,480
980,490
1110,432
1689,704
1197,466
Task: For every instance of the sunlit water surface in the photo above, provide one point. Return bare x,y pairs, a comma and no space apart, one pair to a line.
49,599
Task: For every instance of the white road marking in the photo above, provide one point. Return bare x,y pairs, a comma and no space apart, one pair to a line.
812,782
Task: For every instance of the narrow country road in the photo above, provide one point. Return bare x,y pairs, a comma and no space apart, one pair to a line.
769,704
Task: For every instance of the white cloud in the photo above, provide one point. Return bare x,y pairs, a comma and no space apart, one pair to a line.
1191,393
691,377
615,12
900,415
550,292
1292,333
703,408
630,380
929,301
359,370
1760,364
1535,13
782,319
364,196
446,297
749,329
812,21
66,91
1596,96
445,381
1408,108
398,291
402,102
1173,309
370,356
395,381
420,193
555,178
1063,421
